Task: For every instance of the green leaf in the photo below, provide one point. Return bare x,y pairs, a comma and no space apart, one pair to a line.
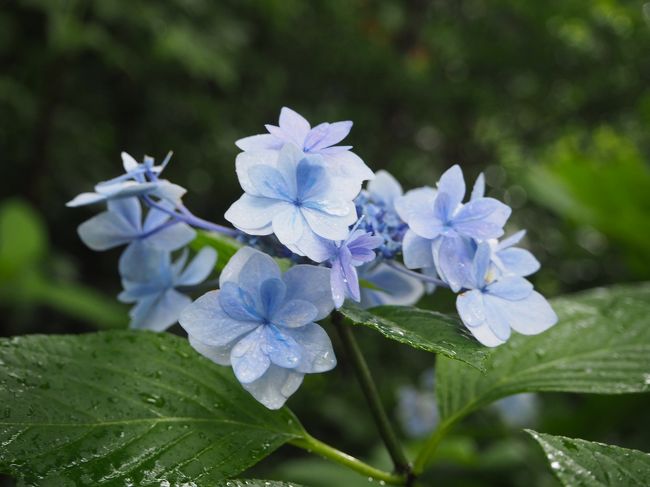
586,463
225,246
423,329
601,345
253,483
127,408
23,238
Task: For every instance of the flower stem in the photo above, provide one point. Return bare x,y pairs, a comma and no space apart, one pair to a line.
369,388
188,217
313,445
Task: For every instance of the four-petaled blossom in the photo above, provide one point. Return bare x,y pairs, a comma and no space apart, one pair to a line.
293,196
138,180
491,307
345,256
294,129
122,224
443,230
386,284
376,204
261,322
159,301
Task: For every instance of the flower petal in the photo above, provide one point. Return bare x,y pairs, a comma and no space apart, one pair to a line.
384,188
289,225
418,252
247,160
281,348
219,355
259,142
254,212
531,315
310,283
275,386
295,313
512,288
471,308
452,184
317,354
248,358
294,125
518,261
199,268
393,287
159,312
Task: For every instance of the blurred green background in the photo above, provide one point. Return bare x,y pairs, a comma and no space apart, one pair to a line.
551,99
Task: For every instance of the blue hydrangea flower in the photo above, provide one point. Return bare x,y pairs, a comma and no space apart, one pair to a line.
491,307
511,260
138,180
293,196
262,323
389,285
158,299
442,229
376,205
122,224
294,129
345,257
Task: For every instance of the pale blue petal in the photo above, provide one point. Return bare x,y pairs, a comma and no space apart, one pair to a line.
259,142
199,268
231,271
169,191
248,358
281,348
453,260
384,188
219,355
129,209
275,386
250,212
513,239
247,160
295,313
417,203
289,225
85,199
106,230
478,191
311,180
206,321
486,336
172,237
312,246
496,315
417,251
155,217
471,308
480,265
317,354
326,135
239,304
258,269
160,313
348,167
328,226
518,261
140,261
512,288
272,294
481,219
294,125
531,315
453,185
337,283
270,183
395,287
312,284
128,162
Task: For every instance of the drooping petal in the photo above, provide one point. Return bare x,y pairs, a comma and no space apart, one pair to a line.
417,251
250,212
159,313
518,261
496,315
206,321
275,386
295,313
452,184
486,336
317,354
199,268
310,283
511,288
384,188
471,308
391,286
248,358
531,315
259,142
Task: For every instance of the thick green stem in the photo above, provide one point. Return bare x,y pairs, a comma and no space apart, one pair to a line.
369,388
313,445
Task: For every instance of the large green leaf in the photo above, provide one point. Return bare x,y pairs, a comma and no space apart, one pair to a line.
127,408
253,483
586,463
601,344
423,329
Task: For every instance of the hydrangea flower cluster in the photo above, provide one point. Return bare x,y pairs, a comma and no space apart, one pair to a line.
303,199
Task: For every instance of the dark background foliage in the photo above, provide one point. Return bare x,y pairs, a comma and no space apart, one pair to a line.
550,99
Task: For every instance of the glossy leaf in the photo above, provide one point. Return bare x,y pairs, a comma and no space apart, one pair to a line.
253,483
589,464
423,329
127,408
601,345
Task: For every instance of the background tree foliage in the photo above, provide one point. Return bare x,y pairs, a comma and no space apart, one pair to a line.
551,99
